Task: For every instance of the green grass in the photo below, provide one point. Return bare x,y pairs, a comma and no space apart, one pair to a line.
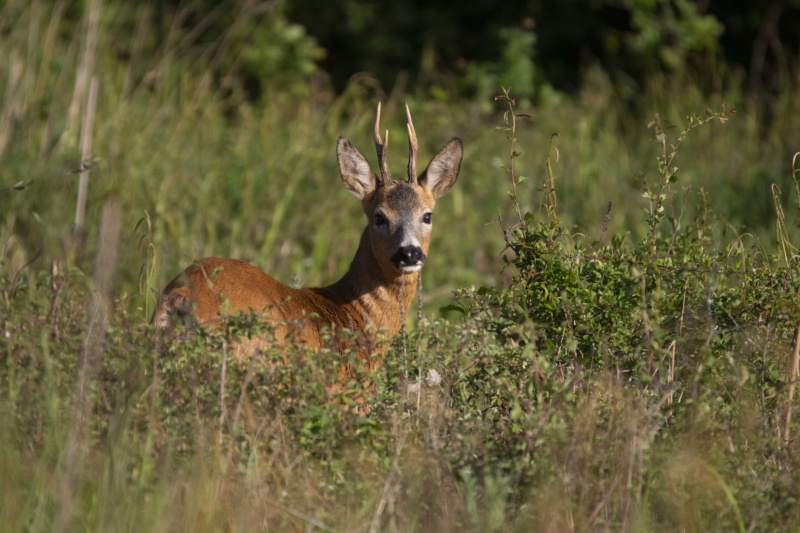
616,379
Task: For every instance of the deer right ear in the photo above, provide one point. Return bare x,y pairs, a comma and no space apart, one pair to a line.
356,173
442,172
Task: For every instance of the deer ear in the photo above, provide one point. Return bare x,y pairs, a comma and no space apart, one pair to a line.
442,172
356,173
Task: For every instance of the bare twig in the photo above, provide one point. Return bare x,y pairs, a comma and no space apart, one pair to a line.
222,411
419,340
792,382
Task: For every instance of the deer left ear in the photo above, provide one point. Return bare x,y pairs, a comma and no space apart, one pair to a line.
442,172
355,170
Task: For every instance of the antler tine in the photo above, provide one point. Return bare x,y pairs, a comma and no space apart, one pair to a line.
381,147
412,148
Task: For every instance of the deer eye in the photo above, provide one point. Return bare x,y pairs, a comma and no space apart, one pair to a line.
426,218
380,220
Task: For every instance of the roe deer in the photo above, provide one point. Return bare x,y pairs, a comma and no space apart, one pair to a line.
371,298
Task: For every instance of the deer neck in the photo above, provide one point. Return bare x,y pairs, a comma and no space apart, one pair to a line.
374,298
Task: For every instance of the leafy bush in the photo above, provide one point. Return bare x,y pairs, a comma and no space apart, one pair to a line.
695,334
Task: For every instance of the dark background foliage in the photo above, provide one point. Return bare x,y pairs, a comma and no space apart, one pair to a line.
419,37
424,43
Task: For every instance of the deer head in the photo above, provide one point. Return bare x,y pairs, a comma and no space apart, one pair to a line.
399,213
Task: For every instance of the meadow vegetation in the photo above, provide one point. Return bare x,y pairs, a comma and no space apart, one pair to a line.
608,330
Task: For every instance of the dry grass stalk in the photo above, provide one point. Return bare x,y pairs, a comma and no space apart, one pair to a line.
86,151
793,364
91,357
85,70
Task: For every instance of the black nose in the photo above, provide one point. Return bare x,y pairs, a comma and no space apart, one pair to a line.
408,256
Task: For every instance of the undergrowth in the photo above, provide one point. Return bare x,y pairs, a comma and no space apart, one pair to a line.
636,381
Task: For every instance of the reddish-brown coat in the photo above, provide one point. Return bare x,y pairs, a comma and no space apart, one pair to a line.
371,299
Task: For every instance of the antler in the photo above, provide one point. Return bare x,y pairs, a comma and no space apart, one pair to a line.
412,148
381,147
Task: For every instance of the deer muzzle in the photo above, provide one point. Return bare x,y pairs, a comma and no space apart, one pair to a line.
409,258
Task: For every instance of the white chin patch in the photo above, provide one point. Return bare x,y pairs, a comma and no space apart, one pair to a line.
408,269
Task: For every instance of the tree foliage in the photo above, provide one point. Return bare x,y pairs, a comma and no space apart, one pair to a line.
448,48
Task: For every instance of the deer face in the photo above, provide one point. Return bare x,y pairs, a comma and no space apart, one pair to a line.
400,225
399,213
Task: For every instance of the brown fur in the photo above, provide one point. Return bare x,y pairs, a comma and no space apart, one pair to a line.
371,298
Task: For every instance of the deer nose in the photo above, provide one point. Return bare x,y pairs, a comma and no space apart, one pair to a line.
408,256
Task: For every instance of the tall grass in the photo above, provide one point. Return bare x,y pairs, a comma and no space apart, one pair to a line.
614,398
219,175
